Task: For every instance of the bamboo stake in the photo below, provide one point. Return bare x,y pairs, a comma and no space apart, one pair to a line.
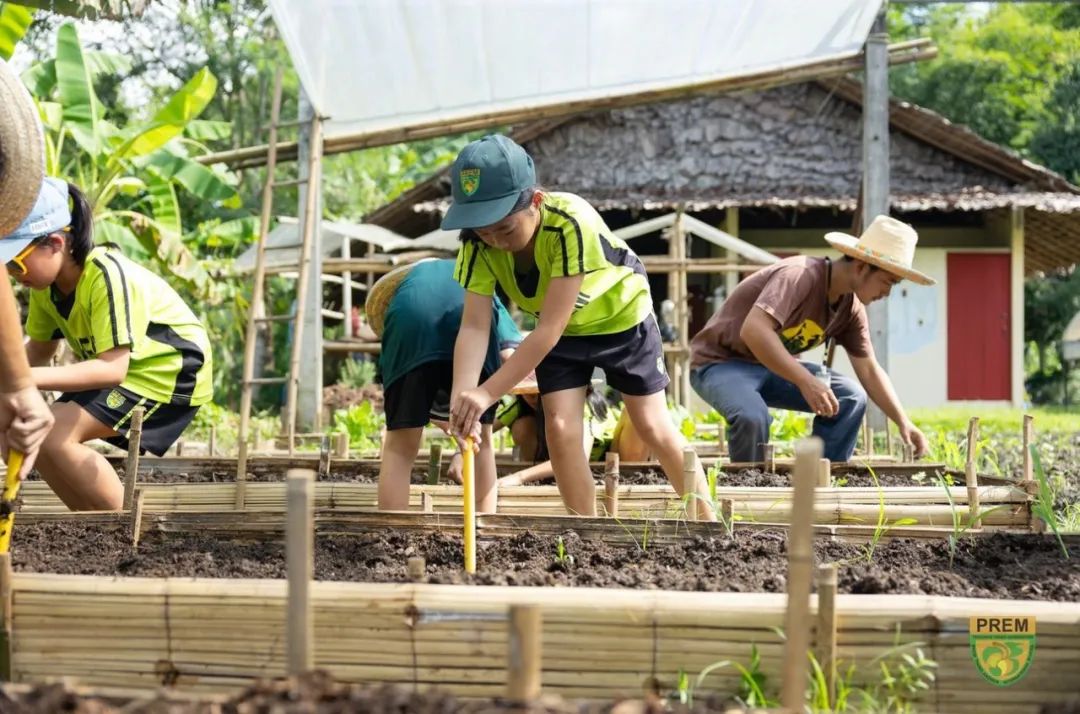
341,447
770,458
299,556
721,437
800,565
611,484
434,464
136,518
826,627
1029,467
468,498
867,448
824,474
211,446
889,444
690,466
179,448
727,509
523,654
909,452
416,568
324,456
427,503
131,467
972,448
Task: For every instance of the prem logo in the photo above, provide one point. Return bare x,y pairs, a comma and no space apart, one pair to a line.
1002,647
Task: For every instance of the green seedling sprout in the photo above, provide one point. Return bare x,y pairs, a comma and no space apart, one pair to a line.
561,556
1043,507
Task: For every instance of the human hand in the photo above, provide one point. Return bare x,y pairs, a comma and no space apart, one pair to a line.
819,396
910,434
465,411
453,471
25,421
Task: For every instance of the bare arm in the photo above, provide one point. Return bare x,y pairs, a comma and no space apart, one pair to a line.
39,353
759,334
879,388
106,370
25,419
472,342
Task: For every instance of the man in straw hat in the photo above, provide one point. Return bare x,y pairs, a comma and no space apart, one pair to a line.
416,310
25,419
744,360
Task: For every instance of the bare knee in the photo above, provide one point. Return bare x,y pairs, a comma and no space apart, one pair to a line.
564,428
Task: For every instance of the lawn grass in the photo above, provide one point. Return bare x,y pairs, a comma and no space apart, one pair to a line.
997,419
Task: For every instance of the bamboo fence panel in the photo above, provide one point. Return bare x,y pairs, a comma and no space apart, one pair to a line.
212,635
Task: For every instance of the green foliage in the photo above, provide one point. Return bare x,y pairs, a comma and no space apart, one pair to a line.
562,558
882,525
363,425
1043,507
960,525
14,22
356,374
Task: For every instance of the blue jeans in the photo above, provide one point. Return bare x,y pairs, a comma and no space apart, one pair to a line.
744,391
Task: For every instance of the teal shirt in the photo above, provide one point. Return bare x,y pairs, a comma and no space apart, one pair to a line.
422,321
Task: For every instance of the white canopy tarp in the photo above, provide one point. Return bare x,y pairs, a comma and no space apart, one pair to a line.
370,65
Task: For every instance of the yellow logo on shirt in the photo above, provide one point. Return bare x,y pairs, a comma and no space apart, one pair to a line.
802,337
115,400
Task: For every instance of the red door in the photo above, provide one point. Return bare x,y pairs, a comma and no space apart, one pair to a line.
979,326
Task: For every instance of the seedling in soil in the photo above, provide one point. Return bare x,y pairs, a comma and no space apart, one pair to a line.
712,478
960,527
883,526
1043,507
562,558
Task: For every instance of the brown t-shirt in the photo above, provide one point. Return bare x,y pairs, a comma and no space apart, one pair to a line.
795,293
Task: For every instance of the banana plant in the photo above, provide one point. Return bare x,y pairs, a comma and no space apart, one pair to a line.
14,21
131,175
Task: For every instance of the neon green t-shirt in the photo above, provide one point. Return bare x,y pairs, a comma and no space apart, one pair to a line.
119,303
572,239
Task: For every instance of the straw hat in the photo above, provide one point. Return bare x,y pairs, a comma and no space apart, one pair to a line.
382,292
887,243
22,163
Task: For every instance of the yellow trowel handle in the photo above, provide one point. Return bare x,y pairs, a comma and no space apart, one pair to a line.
7,503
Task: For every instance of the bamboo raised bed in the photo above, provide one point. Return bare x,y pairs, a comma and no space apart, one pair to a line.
206,635
1003,507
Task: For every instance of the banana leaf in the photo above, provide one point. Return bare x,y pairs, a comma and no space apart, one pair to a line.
198,179
170,120
40,78
14,21
82,110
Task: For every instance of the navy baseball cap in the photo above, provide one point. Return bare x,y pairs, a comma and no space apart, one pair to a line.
49,215
486,179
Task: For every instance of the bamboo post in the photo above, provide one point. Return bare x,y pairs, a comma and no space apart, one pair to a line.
341,446
524,654
800,567
611,484
889,445
909,452
6,577
324,456
131,465
427,503
727,509
468,497
434,464
824,474
826,627
179,448
689,469
866,438
299,557
211,446
416,566
972,448
136,519
770,457
1029,466
721,436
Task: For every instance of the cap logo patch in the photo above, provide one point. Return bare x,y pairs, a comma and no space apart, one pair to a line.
470,181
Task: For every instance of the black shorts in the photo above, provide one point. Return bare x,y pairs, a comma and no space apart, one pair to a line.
162,423
422,395
632,360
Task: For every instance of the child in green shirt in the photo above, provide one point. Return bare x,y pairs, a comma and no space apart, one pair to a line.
553,256
137,342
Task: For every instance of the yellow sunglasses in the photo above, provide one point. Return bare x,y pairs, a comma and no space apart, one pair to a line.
17,266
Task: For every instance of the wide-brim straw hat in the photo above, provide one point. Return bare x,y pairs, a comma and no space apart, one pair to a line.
886,243
22,153
382,292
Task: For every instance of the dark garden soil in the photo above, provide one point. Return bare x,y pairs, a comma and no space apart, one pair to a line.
995,566
757,478
317,693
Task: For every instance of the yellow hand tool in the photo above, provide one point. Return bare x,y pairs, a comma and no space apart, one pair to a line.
7,504
468,495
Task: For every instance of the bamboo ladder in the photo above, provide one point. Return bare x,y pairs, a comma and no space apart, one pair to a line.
250,381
